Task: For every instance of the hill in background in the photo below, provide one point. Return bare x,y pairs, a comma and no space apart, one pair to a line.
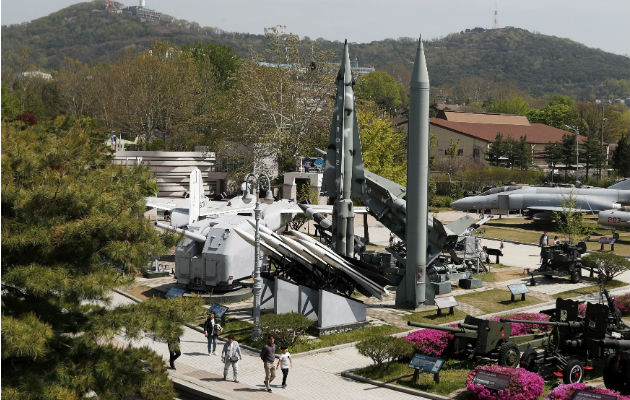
539,64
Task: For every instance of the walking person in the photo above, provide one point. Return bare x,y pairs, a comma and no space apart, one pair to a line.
230,355
268,356
173,351
284,362
544,240
211,329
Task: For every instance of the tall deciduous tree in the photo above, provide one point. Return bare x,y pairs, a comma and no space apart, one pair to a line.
513,104
381,88
72,222
384,148
281,107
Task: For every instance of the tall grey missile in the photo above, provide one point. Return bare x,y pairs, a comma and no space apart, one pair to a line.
343,175
412,289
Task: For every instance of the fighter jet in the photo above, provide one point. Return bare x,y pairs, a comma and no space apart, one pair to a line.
543,201
615,219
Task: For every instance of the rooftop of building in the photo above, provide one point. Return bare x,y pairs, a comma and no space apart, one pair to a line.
483,118
534,133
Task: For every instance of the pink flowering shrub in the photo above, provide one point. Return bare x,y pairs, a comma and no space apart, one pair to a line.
430,341
582,309
623,303
525,329
523,385
565,392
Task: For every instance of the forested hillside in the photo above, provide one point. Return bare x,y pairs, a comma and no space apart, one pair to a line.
538,64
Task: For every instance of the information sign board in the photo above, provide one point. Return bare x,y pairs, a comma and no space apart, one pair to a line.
426,363
491,380
518,288
446,302
423,363
586,395
219,310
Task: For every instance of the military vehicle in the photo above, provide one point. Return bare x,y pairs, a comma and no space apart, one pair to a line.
478,337
617,365
562,259
574,344
542,202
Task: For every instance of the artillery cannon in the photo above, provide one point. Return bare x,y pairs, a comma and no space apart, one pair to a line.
573,344
561,259
480,337
617,365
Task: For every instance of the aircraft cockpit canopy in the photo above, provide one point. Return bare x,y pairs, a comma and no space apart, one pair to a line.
500,189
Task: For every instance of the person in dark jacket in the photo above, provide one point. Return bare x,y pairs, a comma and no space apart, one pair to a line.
211,329
174,351
268,356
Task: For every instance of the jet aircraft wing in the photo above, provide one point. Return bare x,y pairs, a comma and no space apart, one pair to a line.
558,209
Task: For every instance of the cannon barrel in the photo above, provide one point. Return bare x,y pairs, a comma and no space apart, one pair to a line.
572,324
191,235
616,344
437,327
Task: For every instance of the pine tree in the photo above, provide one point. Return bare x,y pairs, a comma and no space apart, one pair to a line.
496,150
621,157
553,155
72,222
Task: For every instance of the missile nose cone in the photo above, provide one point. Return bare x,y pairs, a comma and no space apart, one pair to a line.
420,74
347,73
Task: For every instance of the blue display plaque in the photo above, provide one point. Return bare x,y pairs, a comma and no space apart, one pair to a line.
516,289
423,363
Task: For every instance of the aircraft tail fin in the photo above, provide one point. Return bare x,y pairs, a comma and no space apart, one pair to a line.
623,185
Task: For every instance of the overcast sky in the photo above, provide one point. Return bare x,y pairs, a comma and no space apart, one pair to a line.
603,24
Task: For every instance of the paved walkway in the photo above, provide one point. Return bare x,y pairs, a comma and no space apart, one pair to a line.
315,376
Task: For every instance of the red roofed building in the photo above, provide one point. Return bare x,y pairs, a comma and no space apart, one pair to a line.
474,132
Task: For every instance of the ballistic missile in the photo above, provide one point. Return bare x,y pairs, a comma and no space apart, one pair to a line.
343,175
412,289
319,218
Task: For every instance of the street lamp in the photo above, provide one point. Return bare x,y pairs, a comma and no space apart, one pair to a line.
258,285
577,153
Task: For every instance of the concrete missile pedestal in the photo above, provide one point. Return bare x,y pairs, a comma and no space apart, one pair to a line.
472,283
331,312
441,287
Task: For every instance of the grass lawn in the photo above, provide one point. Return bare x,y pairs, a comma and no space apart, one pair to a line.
242,331
589,289
510,234
452,376
496,300
430,317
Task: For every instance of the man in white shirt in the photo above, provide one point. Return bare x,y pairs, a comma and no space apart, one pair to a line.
231,354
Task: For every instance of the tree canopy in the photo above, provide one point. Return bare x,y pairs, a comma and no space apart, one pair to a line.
382,89
72,223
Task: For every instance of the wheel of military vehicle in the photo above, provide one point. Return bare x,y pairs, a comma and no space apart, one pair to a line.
616,235
509,355
617,373
529,360
581,246
576,274
573,372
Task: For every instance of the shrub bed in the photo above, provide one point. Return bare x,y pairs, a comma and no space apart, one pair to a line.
623,303
525,329
523,385
430,341
286,328
382,349
565,392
